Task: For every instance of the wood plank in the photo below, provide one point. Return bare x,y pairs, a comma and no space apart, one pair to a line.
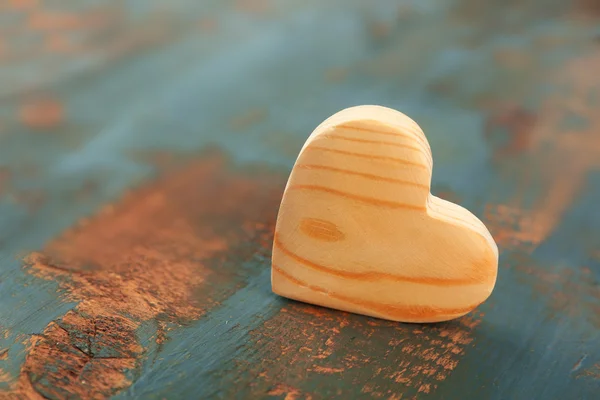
143,152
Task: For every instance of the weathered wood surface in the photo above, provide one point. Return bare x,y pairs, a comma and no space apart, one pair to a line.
143,151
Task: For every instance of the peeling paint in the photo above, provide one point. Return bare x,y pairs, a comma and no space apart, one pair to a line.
578,364
507,93
143,258
558,161
314,342
591,373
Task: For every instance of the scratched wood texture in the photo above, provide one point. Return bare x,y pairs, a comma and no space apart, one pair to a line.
144,146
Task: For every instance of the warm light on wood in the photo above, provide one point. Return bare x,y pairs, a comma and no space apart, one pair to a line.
358,229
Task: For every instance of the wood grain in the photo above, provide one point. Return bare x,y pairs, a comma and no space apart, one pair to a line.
350,237
101,100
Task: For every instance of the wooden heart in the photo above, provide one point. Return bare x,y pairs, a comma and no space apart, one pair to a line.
358,229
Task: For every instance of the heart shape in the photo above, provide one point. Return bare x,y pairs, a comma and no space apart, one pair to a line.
358,229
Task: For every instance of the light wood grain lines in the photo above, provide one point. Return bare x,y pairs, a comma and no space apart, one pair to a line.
368,141
396,311
376,276
362,199
395,160
415,134
445,213
361,174
412,133
357,218
418,148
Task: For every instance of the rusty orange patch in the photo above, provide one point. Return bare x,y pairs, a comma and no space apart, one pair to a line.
587,8
58,43
61,364
313,341
592,372
4,376
42,113
23,4
143,258
571,293
49,20
512,227
558,157
290,393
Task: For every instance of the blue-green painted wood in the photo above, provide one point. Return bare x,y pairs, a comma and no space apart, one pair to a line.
506,93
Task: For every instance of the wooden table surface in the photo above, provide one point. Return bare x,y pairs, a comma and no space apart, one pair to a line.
144,146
